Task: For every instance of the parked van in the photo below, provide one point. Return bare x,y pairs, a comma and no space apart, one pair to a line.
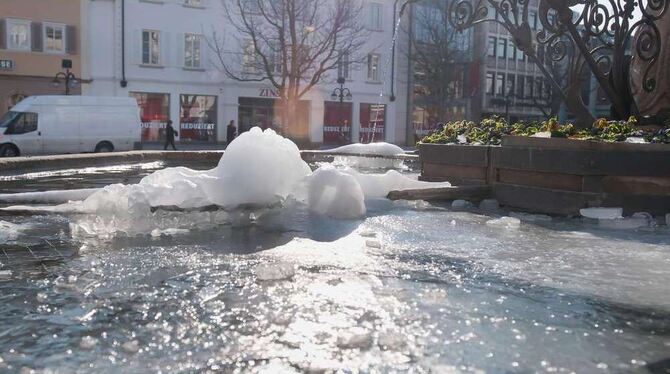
69,124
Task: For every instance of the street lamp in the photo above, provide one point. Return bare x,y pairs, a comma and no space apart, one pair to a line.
341,93
67,77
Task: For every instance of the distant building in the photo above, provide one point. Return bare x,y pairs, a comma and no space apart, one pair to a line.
35,37
157,52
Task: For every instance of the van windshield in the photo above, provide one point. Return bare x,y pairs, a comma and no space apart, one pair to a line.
16,123
8,118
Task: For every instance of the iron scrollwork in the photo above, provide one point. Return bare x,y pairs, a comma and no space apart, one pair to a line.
579,35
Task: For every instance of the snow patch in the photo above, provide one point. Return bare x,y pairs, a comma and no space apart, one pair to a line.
376,149
335,194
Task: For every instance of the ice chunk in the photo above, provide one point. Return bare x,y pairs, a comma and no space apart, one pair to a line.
373,244
379,185
88,342
131,347
636,140
505,223
462,205
391,340
369,162
602,213
368,234
527,217
356,338
274,272
335,194
489,205
168,232
377,149
628,223
543,134
47,197
10,231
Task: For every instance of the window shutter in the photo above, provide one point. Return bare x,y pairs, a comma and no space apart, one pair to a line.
164,45
205,56
136,47
36,37
3,33
180,49
71,39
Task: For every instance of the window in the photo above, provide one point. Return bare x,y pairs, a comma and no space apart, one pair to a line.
528,91
500,84
538,87
373,67
375,16
154,114
520,87
492,46
511,79
193,51
490,83
511,49
54,38
198,118
151,47
502,48
17,123
343,66
18,32
532,20
249,57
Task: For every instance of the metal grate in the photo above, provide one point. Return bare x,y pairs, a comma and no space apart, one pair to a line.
43,253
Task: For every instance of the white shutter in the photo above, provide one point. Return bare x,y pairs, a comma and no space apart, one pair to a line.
205,55
180,50
166,54
136,46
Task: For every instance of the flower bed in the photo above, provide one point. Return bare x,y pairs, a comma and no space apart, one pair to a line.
490,131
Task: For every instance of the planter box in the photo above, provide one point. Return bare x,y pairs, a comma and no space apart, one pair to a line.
559,176
458,164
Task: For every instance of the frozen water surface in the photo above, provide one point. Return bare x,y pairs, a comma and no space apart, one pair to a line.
409,287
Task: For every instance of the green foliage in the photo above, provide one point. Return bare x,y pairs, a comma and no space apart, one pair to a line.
491,130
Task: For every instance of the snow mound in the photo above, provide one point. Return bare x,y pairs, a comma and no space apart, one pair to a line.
335,194
259,167
376,149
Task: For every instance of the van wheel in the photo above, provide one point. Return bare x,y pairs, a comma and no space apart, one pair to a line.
104,147
9,150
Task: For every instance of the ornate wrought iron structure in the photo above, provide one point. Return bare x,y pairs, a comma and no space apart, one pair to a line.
579,34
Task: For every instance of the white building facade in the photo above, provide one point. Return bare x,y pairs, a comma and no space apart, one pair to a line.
165,62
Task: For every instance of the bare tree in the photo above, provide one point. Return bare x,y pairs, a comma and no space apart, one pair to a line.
439,56
292,44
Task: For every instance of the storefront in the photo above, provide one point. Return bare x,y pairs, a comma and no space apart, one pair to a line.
373,123
154,114
337,122
198,118
266,113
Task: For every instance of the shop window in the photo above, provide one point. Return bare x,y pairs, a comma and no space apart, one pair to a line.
490,83
193,51
151,47
16,123
154,114
373,67
493,41
372,122
54,38
18,32
198,118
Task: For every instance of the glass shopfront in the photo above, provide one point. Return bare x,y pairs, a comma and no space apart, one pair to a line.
267,114
337,122
154,114
198,118
373,123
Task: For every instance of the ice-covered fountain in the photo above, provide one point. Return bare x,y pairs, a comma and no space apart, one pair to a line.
268,264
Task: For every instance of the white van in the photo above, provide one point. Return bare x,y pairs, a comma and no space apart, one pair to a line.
69,124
